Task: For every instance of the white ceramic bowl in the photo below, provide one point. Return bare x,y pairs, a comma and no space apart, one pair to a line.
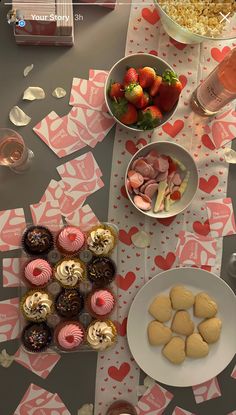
184,35
169,149
117,72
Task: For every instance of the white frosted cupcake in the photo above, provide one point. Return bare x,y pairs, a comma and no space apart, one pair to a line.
101,240
69,272
101,335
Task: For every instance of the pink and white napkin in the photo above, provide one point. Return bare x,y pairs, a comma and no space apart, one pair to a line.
222,128
98,75
233,374
88,94
11,272
47,213
193,249
181,411
37,401
221,217
9,319
84,217
154,401
39,363
207,390
12,223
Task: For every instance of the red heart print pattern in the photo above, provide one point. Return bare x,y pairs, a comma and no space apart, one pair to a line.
206,141
121,327
178,45
202,228
125,237
166,221
119,374
218,54
173,129
165,263
209,185
151,16
132,148
124,283
123,192
153,52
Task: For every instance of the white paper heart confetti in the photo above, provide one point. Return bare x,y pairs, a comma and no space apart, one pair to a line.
33,92
148,382
28,69
5,359
230,155
141,239
19,117
86,409
59,92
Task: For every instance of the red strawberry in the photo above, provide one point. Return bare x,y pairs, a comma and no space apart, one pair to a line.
125,112
149,118
176,195
155,86
131,77
144,101
169,90
146,76
116,91
133,93
156,101
172,165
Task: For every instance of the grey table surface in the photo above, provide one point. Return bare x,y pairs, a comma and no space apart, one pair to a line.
99,42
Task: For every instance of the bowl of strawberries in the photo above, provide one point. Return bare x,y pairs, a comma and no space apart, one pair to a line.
142,91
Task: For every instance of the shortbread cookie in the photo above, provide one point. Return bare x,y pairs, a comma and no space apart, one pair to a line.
210,329
181,298
174,351
196,347
205,306
158,333
182,323
161,309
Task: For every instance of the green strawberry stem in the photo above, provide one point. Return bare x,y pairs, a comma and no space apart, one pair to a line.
170,77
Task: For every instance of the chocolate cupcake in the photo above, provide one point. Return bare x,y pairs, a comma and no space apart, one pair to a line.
37,240
69,303
101,271
36,337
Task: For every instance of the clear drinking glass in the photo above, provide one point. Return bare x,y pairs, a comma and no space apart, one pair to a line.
121,408
13,151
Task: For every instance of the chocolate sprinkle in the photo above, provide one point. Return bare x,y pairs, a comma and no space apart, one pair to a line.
37,240
69,303
36,337
101,271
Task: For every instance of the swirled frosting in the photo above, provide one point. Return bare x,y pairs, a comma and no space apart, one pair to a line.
38,272
69,272
70,336
71,239
102,302
37,306
101,241
100,335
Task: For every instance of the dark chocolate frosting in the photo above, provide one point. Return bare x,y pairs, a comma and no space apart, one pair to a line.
37,240
69,303
101,271
36,337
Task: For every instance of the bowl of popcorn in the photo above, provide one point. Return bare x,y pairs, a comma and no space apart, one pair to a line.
193,21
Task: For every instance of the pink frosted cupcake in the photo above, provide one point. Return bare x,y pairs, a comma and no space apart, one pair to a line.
100,303
38,272
70,240
69,335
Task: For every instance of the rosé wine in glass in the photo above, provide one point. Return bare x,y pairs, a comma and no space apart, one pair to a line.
121,408
13,151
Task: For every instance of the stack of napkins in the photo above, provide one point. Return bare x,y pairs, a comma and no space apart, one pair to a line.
46,23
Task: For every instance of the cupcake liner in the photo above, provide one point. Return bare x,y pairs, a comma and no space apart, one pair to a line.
43,349
105,227
66,323
102,281
76,286
29,283
63,250
114,331
31,292
36,253
93,313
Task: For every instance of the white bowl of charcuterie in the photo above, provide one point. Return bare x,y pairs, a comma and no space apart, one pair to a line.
161,179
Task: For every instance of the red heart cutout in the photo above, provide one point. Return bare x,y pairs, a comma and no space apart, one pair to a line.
207,142
151,16
72,237
165,263
202,228
121,328
173,129
218,54
166,221
125,282
125,237
119,374
208,185
36,272
123,192
153,52
183,80
132,148
178,45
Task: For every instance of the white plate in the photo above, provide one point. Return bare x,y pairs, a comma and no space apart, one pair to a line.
191,371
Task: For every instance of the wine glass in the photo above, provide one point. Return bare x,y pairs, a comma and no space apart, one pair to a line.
14,152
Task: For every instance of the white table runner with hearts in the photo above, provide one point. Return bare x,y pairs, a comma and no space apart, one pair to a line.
117,373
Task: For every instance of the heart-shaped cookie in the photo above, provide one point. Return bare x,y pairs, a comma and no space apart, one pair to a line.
181,298
161,309
182,323
210,329
205,306
174,351
158,333
196,346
